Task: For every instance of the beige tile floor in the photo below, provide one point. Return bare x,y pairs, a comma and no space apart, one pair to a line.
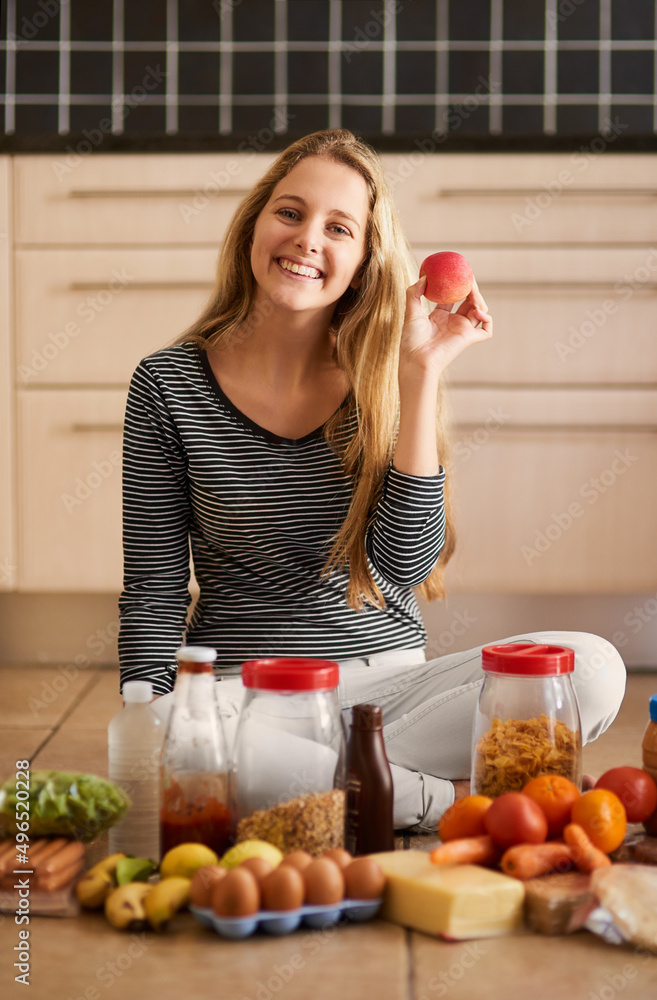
60,721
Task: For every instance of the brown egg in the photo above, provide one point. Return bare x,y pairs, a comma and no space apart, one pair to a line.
364,879
203,882
259,866
324,882
283,889
236,895
298,859
341,857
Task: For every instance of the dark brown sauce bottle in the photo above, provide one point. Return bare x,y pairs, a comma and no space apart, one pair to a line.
368,812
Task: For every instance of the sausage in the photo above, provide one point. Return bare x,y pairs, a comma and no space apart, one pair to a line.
61,877
69,852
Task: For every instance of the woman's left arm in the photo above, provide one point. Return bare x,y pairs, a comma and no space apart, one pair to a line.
407,530
428,344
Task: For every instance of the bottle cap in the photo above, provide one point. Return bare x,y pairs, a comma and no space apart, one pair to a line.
527,659
196,654
366,717
653,708
137,691
290,673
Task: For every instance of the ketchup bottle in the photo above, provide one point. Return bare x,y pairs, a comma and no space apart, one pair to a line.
369,799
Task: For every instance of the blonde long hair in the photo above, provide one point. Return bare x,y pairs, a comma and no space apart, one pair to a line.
367,322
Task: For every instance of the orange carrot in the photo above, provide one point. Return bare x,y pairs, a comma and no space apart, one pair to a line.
466,851
587,856
525,861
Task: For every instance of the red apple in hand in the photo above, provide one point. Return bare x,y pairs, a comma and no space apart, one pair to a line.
449,277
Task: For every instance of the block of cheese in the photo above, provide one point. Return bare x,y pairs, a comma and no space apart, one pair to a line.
452,901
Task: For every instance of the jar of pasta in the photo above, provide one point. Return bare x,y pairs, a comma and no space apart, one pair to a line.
527,719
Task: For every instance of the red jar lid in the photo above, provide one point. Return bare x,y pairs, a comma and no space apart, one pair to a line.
526,659
290,673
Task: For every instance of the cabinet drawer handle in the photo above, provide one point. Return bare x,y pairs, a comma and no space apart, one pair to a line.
543,428
86,428
520,285
156,192
570,191
141,286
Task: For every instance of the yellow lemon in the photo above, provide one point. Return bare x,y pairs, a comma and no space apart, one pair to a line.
185,859
251,849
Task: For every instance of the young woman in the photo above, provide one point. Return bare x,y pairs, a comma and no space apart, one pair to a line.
294,436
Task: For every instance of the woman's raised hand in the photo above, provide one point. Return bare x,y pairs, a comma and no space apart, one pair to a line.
430,343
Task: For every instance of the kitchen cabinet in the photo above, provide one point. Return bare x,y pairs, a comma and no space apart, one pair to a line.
131,200
86,317
555,492
113,259
70,490
7,505
555,419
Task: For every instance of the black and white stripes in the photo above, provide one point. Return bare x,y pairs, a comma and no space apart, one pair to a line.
260,511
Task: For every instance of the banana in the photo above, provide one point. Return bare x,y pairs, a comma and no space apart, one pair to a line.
184,859
124,907
96,884
108,864
165,899
93,888
251,849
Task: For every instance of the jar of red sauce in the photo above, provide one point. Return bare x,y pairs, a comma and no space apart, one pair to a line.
195,772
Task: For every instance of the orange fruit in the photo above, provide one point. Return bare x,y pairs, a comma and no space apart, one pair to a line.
603,817
556,796
464,818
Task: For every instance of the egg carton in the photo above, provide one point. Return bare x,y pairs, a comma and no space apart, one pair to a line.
279,922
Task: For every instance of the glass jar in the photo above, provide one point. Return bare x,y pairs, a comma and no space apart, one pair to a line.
527,720
195,771
649,743
290,738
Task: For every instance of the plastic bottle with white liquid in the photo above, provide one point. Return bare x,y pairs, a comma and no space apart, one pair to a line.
135,738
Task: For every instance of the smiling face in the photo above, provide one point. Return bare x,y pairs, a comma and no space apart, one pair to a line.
309,239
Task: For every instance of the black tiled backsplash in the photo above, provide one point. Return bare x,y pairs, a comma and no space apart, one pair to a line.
632,19
578,72
581,21
190,73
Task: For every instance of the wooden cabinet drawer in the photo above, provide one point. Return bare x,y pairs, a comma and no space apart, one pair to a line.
563,315
70,490
131,198
89,316
565,511
506,198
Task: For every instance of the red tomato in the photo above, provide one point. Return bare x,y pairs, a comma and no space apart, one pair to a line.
635,788
514,818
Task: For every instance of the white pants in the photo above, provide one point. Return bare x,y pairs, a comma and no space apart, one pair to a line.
428,709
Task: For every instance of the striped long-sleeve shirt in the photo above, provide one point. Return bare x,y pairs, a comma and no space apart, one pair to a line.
259,512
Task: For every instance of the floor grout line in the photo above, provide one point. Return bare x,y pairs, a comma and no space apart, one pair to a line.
411,964
91,683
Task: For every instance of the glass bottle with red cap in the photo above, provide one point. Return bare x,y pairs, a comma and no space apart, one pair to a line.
290,738
195,771
527,719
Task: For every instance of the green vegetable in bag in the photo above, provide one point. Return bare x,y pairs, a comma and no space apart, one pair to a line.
62,804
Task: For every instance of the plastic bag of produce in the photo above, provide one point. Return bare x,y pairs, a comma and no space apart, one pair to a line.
62,804
627,913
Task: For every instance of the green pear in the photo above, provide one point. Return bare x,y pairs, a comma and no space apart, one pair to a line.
134,870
